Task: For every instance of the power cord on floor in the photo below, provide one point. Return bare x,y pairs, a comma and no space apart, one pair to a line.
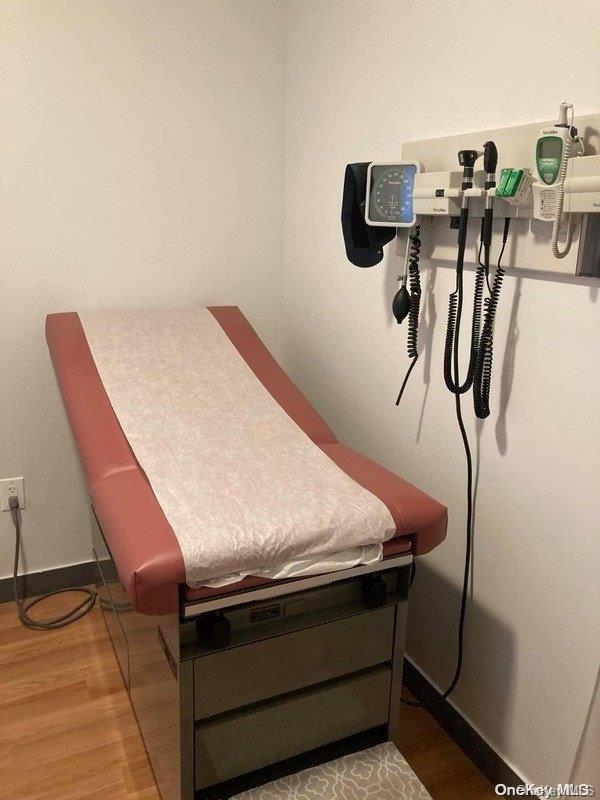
23,607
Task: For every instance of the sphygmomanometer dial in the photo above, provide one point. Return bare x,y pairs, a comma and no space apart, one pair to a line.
391,194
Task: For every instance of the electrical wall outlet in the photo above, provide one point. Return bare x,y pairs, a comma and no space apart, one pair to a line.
10,487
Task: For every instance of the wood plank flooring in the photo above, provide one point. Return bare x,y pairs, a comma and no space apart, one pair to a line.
67,731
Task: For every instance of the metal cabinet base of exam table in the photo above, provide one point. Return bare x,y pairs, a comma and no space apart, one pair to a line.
301,673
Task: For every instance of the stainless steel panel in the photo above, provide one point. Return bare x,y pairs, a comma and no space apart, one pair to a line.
588,255
266,734
259,620
194,608
108,571
156,694
186,729
397,667
242,675
111,618
160,687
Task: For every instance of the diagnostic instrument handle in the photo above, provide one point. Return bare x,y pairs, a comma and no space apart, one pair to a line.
490,157
467,159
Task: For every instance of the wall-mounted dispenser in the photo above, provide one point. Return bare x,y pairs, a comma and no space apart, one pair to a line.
582,185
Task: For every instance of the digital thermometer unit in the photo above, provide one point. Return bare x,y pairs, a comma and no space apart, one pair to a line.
549,153
389,200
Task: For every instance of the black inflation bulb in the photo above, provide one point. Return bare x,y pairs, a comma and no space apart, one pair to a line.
401,304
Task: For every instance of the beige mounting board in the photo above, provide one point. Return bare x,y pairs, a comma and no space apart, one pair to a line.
529,240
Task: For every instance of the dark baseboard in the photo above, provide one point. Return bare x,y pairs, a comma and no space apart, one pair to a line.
48,581
458,729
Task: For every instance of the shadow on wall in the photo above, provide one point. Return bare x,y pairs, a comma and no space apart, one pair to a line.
507,374
427,327
485,689
586,767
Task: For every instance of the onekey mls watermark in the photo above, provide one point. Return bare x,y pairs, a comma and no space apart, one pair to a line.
546,792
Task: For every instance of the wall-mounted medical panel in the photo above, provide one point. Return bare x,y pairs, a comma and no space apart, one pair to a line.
437,198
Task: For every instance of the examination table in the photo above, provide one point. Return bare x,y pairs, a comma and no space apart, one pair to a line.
239,680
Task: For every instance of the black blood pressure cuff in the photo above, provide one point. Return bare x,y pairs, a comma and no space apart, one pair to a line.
364,243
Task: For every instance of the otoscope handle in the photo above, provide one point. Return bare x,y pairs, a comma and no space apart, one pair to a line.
490,157
486,228
467,159
462,226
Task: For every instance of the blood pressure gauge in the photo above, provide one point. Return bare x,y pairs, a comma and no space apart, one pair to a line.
389,201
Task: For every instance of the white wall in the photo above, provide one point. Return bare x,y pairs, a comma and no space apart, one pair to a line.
141,163
362,78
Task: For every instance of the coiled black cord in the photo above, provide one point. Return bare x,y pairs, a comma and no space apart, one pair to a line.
479,374
482,377
486,266
454,366
452,332
451,376
482,270
414,307
453,343
415,292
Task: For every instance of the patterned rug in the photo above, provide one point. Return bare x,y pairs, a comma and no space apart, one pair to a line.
380,773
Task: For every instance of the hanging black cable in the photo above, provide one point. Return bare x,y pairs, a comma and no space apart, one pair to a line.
467,159
455,381
481,263
452,359
490,159
414,306
469,492
452,348
480,357
482,378
452,328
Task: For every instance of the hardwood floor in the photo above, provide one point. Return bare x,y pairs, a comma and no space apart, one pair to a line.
440,764
67,731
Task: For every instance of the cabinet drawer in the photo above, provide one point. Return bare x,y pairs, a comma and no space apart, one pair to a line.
252,739
250,673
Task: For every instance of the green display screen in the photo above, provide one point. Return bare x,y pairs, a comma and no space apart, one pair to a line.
550,147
